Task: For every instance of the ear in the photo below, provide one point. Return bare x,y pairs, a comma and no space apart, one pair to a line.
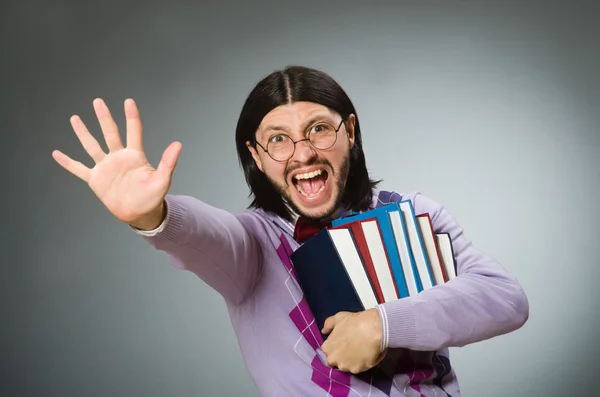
255,156
350,128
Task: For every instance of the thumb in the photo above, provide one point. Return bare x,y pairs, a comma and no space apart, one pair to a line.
328,325
381,356
169,159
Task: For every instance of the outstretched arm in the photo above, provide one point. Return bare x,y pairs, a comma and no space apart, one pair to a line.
212,243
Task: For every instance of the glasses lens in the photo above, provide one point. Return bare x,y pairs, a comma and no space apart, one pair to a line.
280,147
323,135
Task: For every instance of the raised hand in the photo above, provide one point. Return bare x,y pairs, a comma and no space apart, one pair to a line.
123,179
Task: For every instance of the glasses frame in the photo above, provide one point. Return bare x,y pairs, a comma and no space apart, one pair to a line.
304,139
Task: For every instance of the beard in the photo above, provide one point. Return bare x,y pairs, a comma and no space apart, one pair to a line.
338,178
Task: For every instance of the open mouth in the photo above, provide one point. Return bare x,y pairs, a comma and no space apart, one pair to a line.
311,184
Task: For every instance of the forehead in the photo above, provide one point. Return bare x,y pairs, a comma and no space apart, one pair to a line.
294,115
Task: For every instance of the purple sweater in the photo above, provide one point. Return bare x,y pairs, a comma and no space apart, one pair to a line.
245,257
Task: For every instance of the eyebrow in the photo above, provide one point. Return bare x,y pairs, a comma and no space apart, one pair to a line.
312,120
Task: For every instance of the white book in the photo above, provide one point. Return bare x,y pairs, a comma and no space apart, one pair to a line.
344,244
416,245
447,253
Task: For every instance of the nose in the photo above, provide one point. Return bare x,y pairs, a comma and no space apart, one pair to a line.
304,151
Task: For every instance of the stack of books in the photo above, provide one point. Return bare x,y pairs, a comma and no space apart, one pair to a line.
372,257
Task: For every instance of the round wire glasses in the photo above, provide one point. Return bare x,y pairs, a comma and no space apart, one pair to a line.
321,135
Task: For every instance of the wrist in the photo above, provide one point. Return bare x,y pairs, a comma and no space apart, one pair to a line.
383,327
152,220
375,327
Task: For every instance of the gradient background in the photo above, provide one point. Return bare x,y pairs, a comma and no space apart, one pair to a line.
489,107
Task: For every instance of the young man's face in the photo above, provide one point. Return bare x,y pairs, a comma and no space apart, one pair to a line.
312,179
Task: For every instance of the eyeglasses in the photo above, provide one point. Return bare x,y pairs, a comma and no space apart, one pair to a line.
321,135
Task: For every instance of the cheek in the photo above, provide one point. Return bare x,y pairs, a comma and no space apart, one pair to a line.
342,149
275,172
337,158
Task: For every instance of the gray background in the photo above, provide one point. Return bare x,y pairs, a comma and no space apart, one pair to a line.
489,107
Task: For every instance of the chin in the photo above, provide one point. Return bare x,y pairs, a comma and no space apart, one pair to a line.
323,211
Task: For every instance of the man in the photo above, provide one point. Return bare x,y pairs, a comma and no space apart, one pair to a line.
299,143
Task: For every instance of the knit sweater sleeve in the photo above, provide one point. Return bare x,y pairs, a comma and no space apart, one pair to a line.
210,242
482,302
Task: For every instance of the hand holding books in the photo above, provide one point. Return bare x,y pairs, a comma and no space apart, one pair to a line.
354,342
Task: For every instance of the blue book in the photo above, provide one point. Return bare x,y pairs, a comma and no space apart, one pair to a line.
332,276
389,240
407,259
419,253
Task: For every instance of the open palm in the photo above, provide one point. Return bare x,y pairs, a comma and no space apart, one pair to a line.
123,179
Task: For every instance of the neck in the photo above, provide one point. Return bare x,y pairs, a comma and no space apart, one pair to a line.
325,220
336,214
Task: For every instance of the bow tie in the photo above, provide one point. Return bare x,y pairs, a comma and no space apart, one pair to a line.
306,228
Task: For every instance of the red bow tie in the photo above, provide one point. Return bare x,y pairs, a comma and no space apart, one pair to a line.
306,228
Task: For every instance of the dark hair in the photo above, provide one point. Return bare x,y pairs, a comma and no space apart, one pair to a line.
293,84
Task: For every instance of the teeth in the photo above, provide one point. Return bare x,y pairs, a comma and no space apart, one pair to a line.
308,175
309,195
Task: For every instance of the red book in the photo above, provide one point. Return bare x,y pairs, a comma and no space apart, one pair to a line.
431,248
380,258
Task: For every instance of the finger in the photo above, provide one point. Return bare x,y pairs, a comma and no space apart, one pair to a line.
332,363
74,167
134,125
169,160
108,125
89,143
328,325
325,347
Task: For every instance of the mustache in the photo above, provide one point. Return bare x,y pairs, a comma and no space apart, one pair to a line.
326,162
